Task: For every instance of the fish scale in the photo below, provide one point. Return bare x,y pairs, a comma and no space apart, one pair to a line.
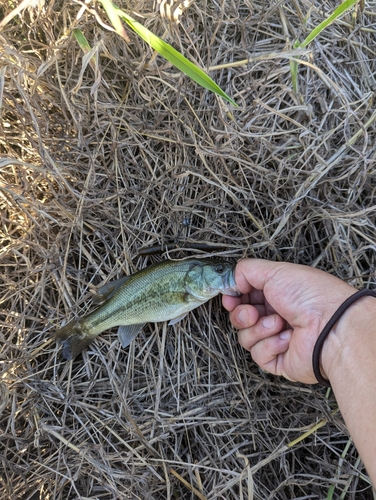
142,301
164,291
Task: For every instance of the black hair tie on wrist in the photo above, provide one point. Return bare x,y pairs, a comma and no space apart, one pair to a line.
327,329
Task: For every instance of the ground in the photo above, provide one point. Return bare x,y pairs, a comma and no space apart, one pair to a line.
103,158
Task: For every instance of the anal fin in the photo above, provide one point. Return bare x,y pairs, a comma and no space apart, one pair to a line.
128,333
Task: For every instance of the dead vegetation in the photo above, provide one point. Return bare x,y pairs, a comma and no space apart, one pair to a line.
98,164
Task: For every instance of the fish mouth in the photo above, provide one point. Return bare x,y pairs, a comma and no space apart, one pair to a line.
230,286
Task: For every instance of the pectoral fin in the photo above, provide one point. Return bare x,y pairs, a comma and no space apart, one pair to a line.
176,320
128,333
107,291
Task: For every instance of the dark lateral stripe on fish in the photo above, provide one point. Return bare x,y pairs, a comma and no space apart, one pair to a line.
161,292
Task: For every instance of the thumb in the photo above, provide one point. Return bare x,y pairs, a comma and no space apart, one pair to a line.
255,273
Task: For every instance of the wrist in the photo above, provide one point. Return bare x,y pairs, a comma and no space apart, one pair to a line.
350,340
348,360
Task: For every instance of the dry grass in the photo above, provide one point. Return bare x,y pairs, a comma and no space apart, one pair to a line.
96,166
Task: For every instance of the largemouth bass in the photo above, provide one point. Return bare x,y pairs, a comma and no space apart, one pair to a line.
161,292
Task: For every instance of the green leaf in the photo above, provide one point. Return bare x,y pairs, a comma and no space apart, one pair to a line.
294,75
341,9
81,40
165,50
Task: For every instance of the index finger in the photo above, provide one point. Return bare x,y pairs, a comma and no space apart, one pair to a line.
229,302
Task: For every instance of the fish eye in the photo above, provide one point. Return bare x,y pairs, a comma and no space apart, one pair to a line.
219,268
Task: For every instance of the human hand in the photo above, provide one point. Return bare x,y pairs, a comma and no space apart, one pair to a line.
281,313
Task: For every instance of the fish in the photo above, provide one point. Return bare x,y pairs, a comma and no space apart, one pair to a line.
165,291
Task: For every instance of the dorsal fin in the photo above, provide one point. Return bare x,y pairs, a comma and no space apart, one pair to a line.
107,291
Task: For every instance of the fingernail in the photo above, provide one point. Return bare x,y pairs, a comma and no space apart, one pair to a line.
286,335
243,316
268,321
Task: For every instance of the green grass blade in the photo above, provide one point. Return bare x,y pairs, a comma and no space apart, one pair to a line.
294,75
166,51
177,59
81,40
341,9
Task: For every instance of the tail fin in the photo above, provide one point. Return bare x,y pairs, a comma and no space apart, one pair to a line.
73,338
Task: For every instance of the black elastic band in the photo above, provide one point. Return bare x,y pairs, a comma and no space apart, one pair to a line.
327,329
